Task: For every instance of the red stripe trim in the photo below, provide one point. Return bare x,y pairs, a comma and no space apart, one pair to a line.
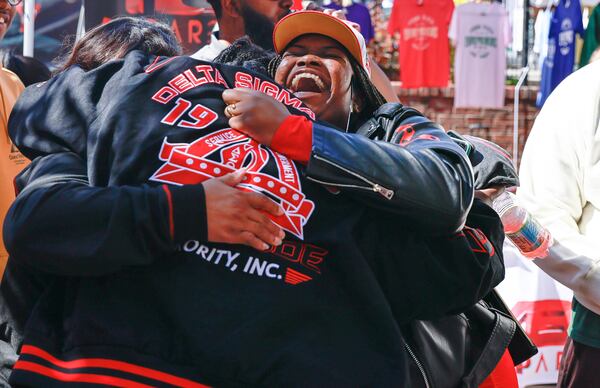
77,377
109,364
171,218
295,279
297,274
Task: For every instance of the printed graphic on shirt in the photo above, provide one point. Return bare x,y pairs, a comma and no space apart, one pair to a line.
481,41
16,156
275,263
566,36
226,151
549,60
420,32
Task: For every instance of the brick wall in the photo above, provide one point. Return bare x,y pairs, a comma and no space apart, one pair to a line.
492,124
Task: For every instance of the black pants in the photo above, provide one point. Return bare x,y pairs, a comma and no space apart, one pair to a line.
579,366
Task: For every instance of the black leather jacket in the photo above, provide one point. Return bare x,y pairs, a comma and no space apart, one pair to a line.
415,170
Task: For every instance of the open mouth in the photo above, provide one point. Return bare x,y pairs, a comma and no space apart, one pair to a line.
307,83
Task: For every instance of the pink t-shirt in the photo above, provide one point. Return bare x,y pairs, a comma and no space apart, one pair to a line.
481,34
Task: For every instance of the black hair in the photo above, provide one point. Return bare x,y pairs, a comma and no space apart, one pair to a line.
117,38
242,52
28,69
366,92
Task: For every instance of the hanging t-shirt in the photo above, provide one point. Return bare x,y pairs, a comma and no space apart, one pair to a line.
515,10
481,33
560,60
358,13
424,50
542,30
591,41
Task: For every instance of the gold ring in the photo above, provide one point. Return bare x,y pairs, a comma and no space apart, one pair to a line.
229,110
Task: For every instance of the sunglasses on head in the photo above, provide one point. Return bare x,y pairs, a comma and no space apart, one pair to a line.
14,3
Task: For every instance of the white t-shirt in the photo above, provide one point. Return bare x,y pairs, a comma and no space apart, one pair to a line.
481,34
542,31
211,50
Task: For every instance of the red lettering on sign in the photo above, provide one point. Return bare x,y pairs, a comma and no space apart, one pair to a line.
175,28
558,359
540,362
194,31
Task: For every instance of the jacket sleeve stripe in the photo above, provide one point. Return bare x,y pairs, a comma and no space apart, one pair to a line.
77,377
95,363
171,220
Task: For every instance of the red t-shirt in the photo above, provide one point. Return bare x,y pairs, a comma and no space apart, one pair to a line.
424,50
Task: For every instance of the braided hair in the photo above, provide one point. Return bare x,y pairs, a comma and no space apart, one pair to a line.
242,52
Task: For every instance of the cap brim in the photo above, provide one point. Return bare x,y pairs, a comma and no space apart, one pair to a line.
314,22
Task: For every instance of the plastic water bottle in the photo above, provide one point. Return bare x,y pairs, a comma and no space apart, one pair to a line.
531,238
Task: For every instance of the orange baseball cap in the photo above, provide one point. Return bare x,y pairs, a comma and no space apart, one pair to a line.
315,22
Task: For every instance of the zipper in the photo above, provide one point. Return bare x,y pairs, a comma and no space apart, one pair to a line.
419,365
385,192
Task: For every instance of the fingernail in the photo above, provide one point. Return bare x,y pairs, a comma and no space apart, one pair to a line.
279,211
265,247
282,234
277,242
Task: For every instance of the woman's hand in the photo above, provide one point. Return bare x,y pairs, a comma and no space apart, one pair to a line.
490,194
238,217
254,113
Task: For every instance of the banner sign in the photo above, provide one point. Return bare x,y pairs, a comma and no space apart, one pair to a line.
543,307
56,20
192,25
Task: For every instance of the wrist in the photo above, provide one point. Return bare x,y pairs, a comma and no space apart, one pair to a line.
293,138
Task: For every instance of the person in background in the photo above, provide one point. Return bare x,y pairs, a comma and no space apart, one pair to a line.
28,69
357,13
236,18
11,160
595,55
560,186
256,19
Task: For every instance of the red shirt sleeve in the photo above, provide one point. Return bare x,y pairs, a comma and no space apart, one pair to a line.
293,138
